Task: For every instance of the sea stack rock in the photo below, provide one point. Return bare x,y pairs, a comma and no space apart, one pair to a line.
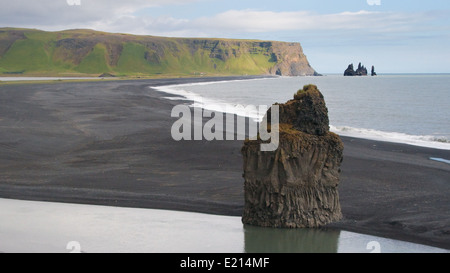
361,71
373,71
350,71
295,186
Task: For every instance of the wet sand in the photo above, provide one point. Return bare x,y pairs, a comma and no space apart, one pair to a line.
109,143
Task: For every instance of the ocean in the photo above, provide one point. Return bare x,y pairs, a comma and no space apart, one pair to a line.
412,109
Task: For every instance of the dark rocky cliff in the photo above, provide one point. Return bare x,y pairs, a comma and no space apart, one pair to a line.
296,185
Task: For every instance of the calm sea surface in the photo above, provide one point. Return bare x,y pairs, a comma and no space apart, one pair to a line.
413,109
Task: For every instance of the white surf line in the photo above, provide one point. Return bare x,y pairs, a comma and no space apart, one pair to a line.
210,104
426,141
440,160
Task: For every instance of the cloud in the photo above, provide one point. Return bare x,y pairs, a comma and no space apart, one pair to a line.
267,21
251,22
58,14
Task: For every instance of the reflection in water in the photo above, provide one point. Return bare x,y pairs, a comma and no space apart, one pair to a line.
278,240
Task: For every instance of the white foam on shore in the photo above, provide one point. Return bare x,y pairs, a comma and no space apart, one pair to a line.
423,141
46,227
214,105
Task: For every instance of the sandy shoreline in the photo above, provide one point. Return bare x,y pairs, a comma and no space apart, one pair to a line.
109,143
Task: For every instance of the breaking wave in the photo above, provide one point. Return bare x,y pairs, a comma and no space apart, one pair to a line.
439,142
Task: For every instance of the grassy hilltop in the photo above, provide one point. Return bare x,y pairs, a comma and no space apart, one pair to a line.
92,53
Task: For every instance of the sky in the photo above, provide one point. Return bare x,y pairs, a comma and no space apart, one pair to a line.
396,36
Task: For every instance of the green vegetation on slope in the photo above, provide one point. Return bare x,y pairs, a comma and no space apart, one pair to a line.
93,53
136,59
29,55
95,61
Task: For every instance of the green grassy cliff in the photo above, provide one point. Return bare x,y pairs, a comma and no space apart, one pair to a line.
88,52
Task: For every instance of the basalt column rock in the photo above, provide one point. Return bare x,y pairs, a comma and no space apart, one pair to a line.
297,185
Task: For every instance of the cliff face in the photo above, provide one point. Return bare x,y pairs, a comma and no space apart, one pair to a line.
296,185
292,61
92,52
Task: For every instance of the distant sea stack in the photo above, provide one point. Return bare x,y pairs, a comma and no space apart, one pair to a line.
360,71
350,71
295,186
373,73
75,52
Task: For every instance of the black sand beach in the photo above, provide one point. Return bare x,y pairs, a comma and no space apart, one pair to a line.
109,143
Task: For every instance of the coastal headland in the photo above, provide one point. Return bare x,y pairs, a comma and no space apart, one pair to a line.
31,52
109,143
